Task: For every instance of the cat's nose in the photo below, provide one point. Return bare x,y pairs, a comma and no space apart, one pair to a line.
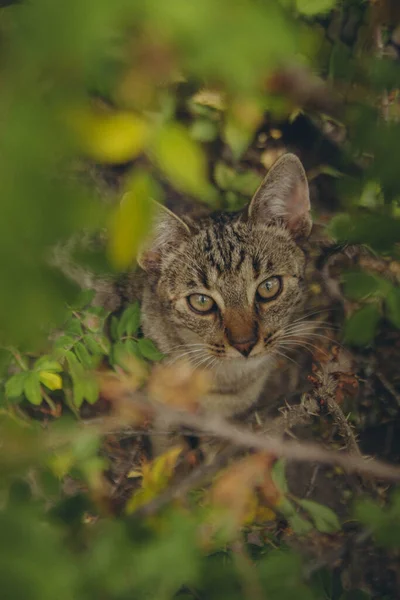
244,346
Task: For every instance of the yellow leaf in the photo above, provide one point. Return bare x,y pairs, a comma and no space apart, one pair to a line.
208,97
51,380
130,222
61,463
109,137
241,123
155,478
181,159
133,474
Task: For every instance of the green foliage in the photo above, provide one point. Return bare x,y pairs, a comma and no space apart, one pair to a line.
361,326
378,297
383,522
117,83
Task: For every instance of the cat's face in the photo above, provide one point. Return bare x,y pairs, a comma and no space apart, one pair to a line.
228,286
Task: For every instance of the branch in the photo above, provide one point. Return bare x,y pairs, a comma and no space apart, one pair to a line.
220,428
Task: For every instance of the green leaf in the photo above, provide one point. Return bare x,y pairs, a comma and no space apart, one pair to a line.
131,220
148,349
44,363
84,299
237,137
359,285
74,327
286,508
79,392
132,347
64,342
224,176
279,476
86,444
129,321
324,518
114,328
93,345
314,7
393,306
83,355
361,326
32,389
204,130
182,160
299,525
90,390
15,385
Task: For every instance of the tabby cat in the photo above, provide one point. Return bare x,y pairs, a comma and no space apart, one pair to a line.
226,291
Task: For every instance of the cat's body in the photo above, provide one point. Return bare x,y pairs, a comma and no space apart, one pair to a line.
225,292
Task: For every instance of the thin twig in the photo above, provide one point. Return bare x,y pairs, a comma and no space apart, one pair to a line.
297,451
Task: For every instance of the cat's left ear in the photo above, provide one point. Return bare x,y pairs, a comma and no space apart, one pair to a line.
168,231
284,197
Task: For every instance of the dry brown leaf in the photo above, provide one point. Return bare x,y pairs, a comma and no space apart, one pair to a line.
179,385
240,486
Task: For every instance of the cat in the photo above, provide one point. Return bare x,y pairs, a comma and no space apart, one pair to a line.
226,291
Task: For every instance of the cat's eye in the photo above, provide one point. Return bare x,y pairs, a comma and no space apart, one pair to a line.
201,303
269,289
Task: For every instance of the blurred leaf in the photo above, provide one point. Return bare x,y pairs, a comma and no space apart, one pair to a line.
83,355
129,322
299,525
32,389
361,326
279,475
393,306
314,7
155,478
109,137
384,521
149,350
50,380
74,327
15,385
182,160
131,220
380,231
44,363
281,577
93,345
359,285
204,130
90,389
114,328
324,518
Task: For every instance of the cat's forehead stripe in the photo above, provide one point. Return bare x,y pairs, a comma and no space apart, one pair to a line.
224,246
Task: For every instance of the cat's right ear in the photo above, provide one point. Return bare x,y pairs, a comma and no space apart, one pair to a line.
168,231
283,197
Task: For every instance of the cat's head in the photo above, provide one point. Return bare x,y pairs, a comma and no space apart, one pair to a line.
228,285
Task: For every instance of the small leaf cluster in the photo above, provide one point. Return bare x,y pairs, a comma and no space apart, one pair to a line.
376,298
67,371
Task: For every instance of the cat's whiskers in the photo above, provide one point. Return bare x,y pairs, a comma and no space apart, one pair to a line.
201,361
173,348
292,343
183,355
282,354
